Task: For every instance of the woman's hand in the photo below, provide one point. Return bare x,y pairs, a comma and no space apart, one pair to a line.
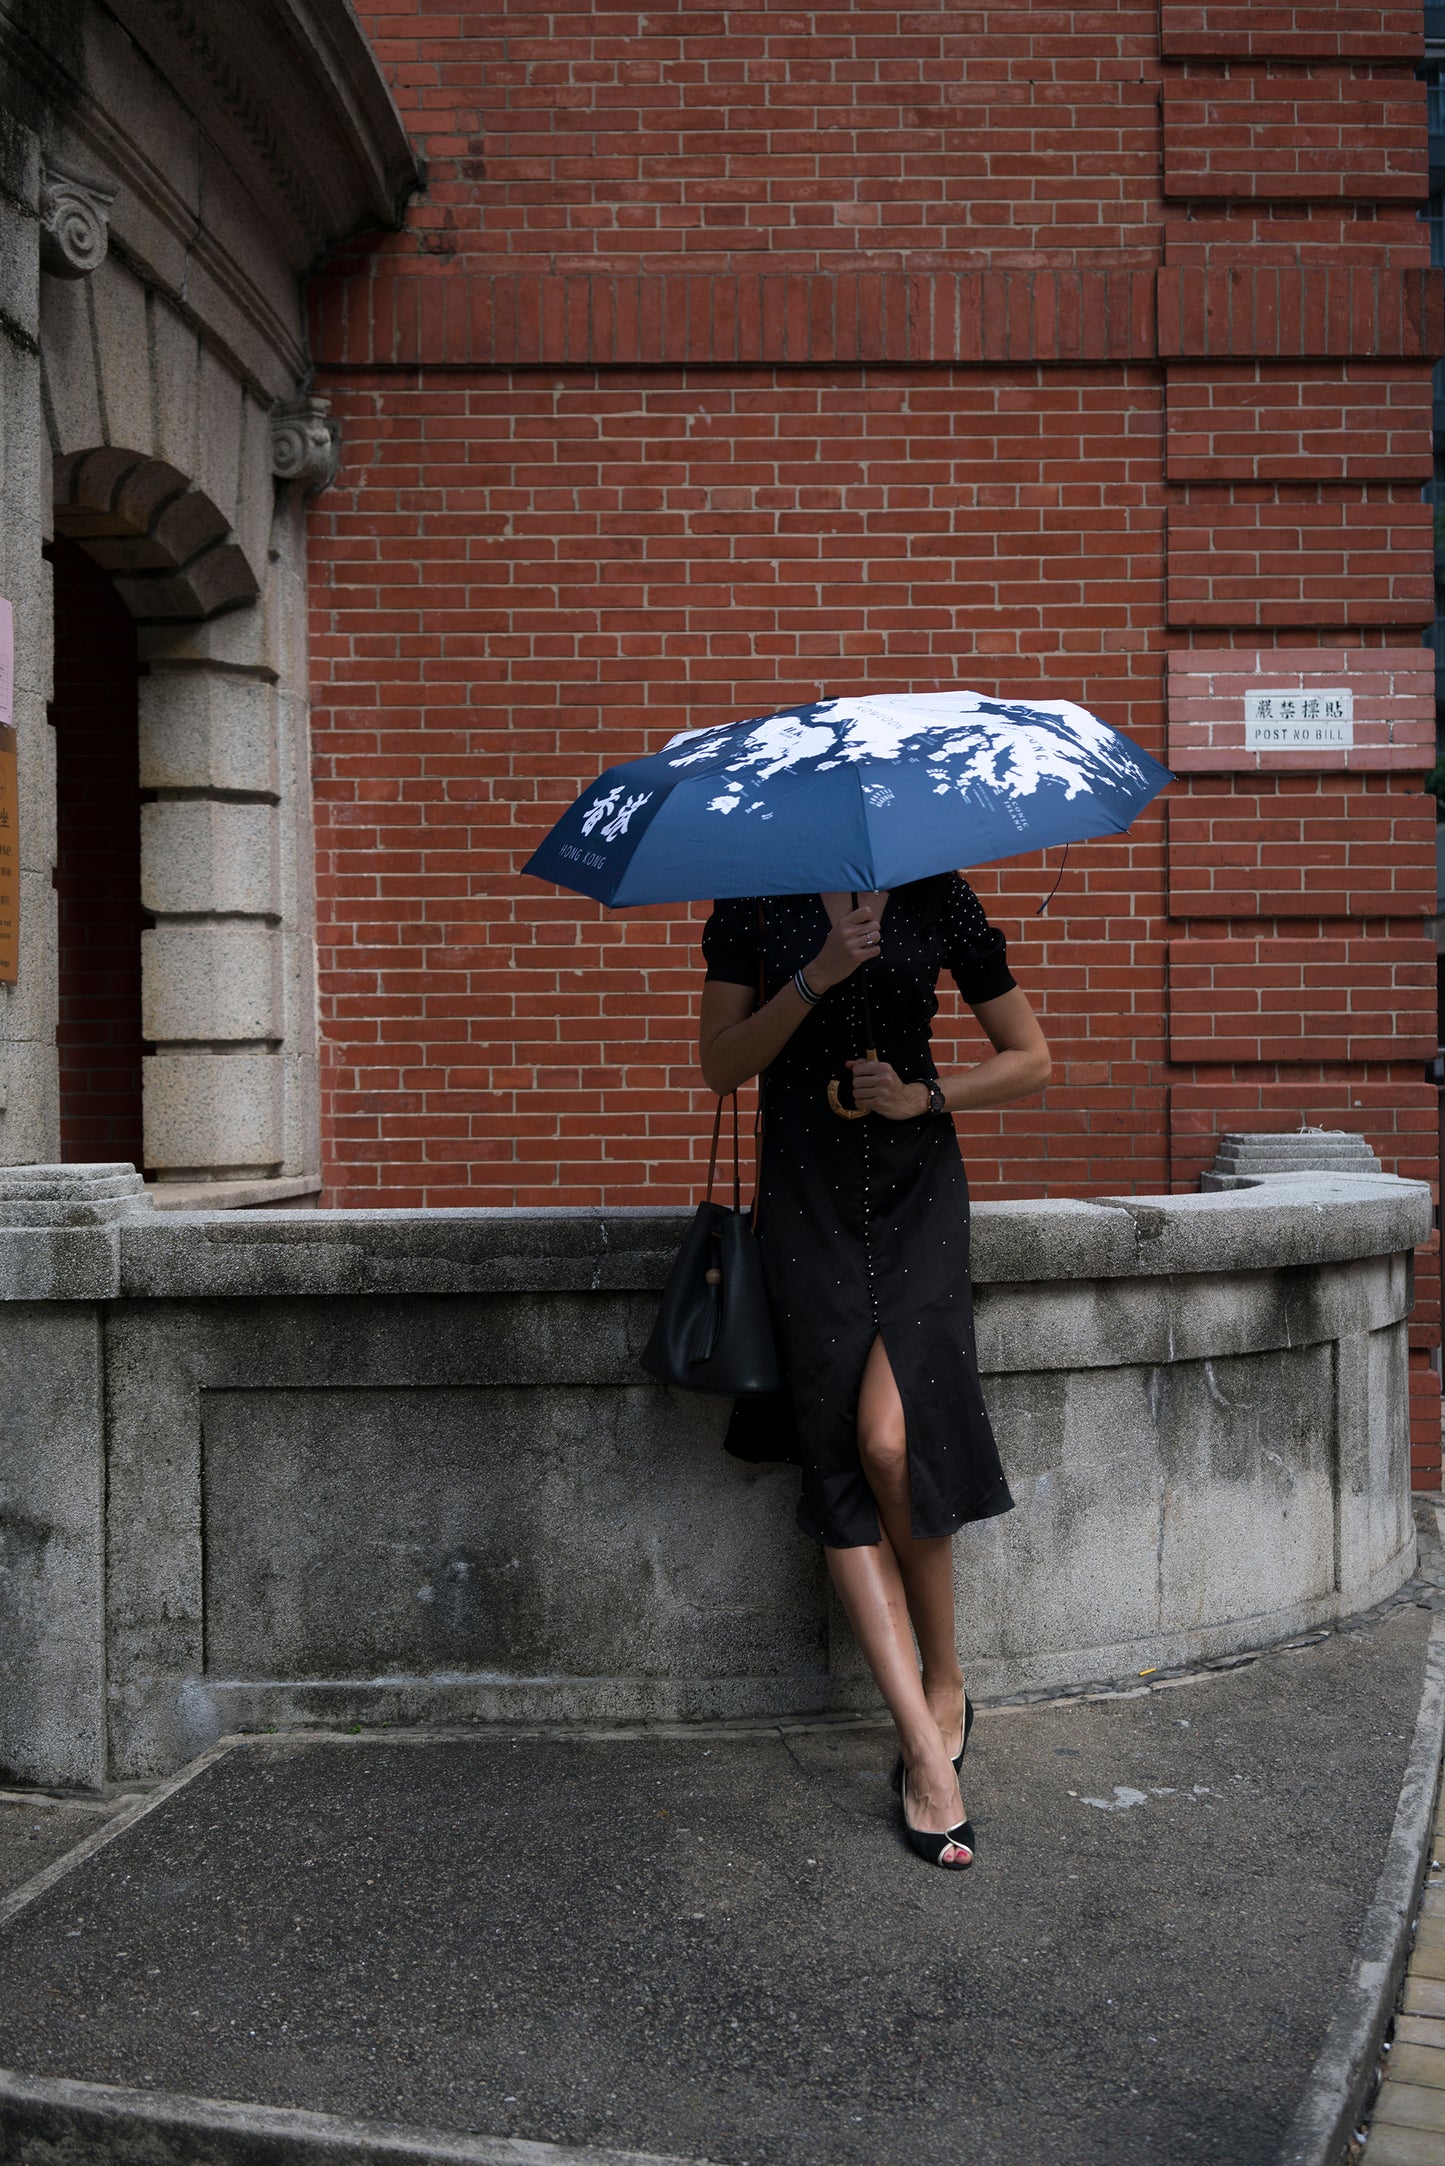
853,940
877,1088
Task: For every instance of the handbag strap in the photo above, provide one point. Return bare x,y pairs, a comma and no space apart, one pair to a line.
758,1119
737,1153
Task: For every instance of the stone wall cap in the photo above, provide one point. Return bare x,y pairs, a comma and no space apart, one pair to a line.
1273,1221
1279,1221
71,1195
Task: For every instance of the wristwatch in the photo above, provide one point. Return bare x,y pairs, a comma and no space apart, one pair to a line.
937,1103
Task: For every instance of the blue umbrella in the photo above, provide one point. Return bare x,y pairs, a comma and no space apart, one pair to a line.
847,794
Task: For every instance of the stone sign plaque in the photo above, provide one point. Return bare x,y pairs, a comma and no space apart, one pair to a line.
1298,721
9,842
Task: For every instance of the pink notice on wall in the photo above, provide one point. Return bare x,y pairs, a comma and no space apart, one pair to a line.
1236,709
9,843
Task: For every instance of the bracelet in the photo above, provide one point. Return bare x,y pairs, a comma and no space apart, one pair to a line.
805,989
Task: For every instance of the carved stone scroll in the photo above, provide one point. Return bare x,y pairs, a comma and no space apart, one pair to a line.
305,444
74,220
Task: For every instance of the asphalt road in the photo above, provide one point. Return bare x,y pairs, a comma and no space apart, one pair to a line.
719,1946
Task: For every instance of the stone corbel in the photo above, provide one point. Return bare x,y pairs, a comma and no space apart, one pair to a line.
74,220
305,443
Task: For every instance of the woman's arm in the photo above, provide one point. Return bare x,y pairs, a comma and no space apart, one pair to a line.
1018,1066
737,1039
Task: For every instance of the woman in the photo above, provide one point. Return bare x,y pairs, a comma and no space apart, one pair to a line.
864,1230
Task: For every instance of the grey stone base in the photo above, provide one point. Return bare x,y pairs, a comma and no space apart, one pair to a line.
290,1468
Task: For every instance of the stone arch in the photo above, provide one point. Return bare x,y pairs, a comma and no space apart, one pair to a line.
168,548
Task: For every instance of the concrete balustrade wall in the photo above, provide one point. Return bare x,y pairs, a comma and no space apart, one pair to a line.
403,1467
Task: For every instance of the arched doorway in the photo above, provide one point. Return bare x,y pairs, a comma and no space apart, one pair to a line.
97,875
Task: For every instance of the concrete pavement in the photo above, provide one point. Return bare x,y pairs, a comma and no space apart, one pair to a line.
713,1944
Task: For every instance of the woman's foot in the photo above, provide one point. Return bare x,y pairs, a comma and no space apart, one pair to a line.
933,1816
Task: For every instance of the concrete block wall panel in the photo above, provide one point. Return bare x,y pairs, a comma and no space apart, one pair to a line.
199,857
224,713
201,730
337,1490
52,1545
216,980
214,1114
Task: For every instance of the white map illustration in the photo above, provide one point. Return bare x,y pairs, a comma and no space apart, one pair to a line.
965,740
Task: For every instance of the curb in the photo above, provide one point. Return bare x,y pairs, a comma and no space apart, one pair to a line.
50,2121
1335,2089
120,1823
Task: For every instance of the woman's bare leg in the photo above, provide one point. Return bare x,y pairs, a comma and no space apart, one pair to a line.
870,1588
926,1565
897,1582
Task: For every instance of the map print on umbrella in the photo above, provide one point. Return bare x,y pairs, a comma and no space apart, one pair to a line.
845,793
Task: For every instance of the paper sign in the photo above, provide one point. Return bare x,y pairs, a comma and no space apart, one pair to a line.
1298,721
9,864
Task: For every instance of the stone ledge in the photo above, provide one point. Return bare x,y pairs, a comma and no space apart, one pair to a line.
1287,1222
258,1195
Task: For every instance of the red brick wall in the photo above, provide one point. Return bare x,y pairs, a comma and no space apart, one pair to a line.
731,358
97,875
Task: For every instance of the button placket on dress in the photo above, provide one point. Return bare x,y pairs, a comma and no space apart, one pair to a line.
866,1155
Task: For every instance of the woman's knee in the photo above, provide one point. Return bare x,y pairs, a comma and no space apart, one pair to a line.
883,1449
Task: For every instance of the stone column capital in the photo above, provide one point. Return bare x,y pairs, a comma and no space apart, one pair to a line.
74,220
305,443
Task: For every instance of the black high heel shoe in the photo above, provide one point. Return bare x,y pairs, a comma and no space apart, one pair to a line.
896,1778
925,1844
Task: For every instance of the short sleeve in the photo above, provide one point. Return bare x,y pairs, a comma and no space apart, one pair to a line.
975,951
730,942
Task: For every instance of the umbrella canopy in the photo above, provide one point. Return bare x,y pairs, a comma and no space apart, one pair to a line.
848,793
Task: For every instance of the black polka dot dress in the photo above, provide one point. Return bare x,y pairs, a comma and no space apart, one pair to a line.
864,1224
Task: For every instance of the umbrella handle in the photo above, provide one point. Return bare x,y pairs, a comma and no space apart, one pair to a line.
848,1113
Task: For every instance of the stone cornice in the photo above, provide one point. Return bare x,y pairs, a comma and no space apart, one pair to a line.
304,119
291,90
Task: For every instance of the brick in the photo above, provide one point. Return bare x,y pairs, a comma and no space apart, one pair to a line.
594,318
1319,557
1315,311
1300,848
1401,2105
1392,2145
1309,134
1306,30
1420,2065
1353,421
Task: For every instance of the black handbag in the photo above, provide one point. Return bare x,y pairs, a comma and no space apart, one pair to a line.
713,1329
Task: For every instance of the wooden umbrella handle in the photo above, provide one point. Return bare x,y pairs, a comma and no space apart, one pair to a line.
849,1113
